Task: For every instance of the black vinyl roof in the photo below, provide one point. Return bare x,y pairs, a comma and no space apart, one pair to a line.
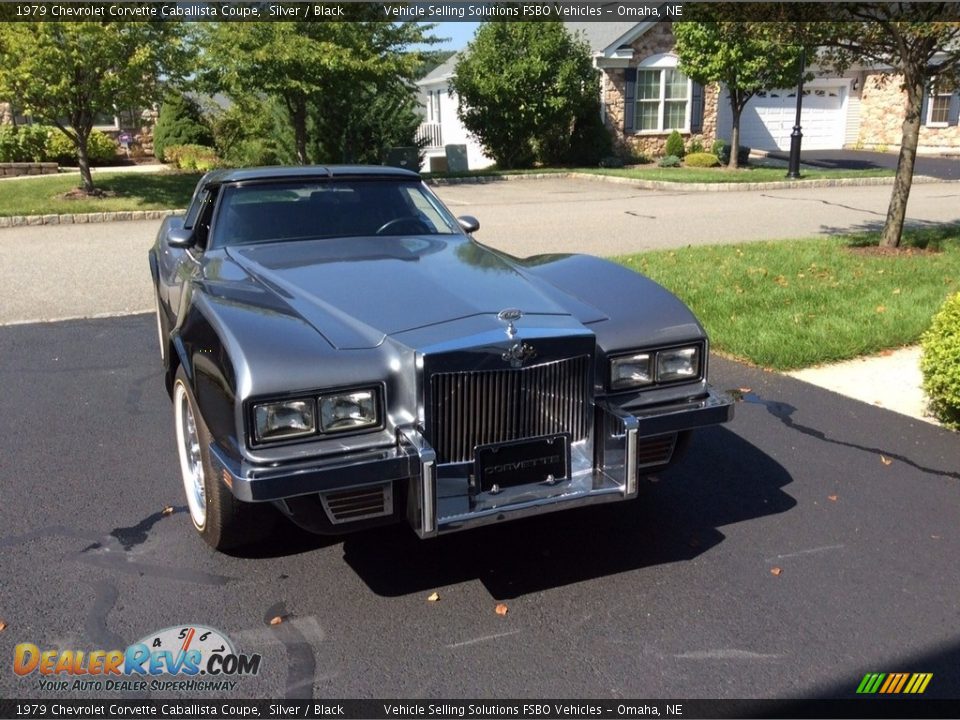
305,172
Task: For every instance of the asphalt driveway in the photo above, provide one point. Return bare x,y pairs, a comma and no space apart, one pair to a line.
938,166
810,541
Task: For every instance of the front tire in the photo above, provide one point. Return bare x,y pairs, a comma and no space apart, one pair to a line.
222,521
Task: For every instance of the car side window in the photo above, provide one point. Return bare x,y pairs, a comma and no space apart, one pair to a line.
204,217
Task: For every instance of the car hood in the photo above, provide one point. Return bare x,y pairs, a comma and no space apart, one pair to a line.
356,291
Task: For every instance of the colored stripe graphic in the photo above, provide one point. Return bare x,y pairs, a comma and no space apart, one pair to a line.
894,683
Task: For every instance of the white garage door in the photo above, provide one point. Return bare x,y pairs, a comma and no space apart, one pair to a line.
767,120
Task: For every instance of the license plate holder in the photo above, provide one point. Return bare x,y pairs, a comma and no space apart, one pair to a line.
522,462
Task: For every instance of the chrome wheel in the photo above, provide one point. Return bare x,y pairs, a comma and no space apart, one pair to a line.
191,461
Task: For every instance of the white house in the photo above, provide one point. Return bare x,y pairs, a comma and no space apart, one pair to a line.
441,126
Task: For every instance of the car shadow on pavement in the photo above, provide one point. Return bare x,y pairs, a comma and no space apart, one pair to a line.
723,480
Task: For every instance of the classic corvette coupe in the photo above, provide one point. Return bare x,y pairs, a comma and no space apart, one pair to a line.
340,348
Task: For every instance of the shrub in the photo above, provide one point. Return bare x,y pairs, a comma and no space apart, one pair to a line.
701,160
611,161
675,144
23,143
940,363
179,123
590,141
193,157
721,148
669,161
694,146
59,148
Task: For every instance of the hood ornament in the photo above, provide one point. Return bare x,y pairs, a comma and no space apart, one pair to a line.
508,316
519,353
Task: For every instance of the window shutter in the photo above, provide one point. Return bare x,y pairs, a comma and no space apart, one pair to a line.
954,117
696,109
924,105
629,98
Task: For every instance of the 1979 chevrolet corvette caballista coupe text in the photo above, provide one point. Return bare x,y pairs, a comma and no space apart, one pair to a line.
339,347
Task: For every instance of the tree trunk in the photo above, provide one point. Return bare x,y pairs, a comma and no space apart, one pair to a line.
298,114
736,111
83,160
897,210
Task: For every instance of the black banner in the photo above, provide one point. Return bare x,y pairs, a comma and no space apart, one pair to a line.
898,707
442,11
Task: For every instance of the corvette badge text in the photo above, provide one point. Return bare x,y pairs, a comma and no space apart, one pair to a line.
190,658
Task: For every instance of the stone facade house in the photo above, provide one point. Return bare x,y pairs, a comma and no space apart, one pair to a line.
645,97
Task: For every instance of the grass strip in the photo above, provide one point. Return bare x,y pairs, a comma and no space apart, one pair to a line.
793,304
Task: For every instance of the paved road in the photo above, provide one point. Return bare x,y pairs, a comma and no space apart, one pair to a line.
669,597
938,166
87,270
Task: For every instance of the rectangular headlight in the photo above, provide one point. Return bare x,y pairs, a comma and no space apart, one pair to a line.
630,371
351,410
678,364
284,420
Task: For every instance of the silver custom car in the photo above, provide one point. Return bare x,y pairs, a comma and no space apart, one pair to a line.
339,347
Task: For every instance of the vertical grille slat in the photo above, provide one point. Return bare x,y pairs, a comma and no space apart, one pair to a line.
479,408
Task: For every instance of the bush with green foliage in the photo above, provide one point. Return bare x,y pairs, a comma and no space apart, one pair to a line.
669,161
721,148
100,148
22,143
590,142
695,146
193,157
252,133
180,123
701,160
521,87
675,144
940,363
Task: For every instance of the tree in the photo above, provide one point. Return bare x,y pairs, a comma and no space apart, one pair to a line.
747,57
520,88
179,123
67,73
302,64
918,45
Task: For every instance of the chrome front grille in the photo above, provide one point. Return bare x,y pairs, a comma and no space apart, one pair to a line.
479,408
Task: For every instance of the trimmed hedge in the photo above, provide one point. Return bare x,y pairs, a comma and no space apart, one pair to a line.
42,143
100,148
701,160
193,157
940,363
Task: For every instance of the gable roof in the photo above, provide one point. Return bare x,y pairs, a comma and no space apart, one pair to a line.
443,71
601,35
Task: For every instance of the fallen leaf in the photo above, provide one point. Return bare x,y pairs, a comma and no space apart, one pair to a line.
433,597
276,620
881,309
745,390
896,291
776,571
167,510
886,353
3,626
885,460
501,609
832,498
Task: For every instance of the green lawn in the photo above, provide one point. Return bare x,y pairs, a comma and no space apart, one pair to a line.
126,191
723,175
793,304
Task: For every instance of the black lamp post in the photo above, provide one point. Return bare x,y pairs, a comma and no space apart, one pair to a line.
796,137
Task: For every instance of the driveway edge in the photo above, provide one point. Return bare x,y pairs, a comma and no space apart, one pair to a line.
127,215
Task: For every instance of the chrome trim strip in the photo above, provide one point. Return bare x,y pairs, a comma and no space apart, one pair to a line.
422,498
631,469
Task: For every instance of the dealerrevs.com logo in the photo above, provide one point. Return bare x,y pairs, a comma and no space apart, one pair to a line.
192,657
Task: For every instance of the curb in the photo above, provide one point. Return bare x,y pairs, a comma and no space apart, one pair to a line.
85,218
688,187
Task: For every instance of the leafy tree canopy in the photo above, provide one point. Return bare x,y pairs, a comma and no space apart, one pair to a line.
65,74
521,86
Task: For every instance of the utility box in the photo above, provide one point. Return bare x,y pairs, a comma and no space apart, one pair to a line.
403,157
457,158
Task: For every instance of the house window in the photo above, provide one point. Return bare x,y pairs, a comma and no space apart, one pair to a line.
663,100
434,106
938,111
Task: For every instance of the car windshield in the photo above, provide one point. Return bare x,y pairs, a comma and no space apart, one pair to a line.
307,210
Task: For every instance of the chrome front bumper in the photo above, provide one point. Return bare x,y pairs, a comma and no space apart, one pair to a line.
432,509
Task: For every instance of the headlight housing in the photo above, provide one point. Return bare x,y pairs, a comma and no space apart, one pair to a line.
349,411
315,416
643,369
631,371
284,420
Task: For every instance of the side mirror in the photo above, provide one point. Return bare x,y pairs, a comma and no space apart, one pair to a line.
469,223
178,236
